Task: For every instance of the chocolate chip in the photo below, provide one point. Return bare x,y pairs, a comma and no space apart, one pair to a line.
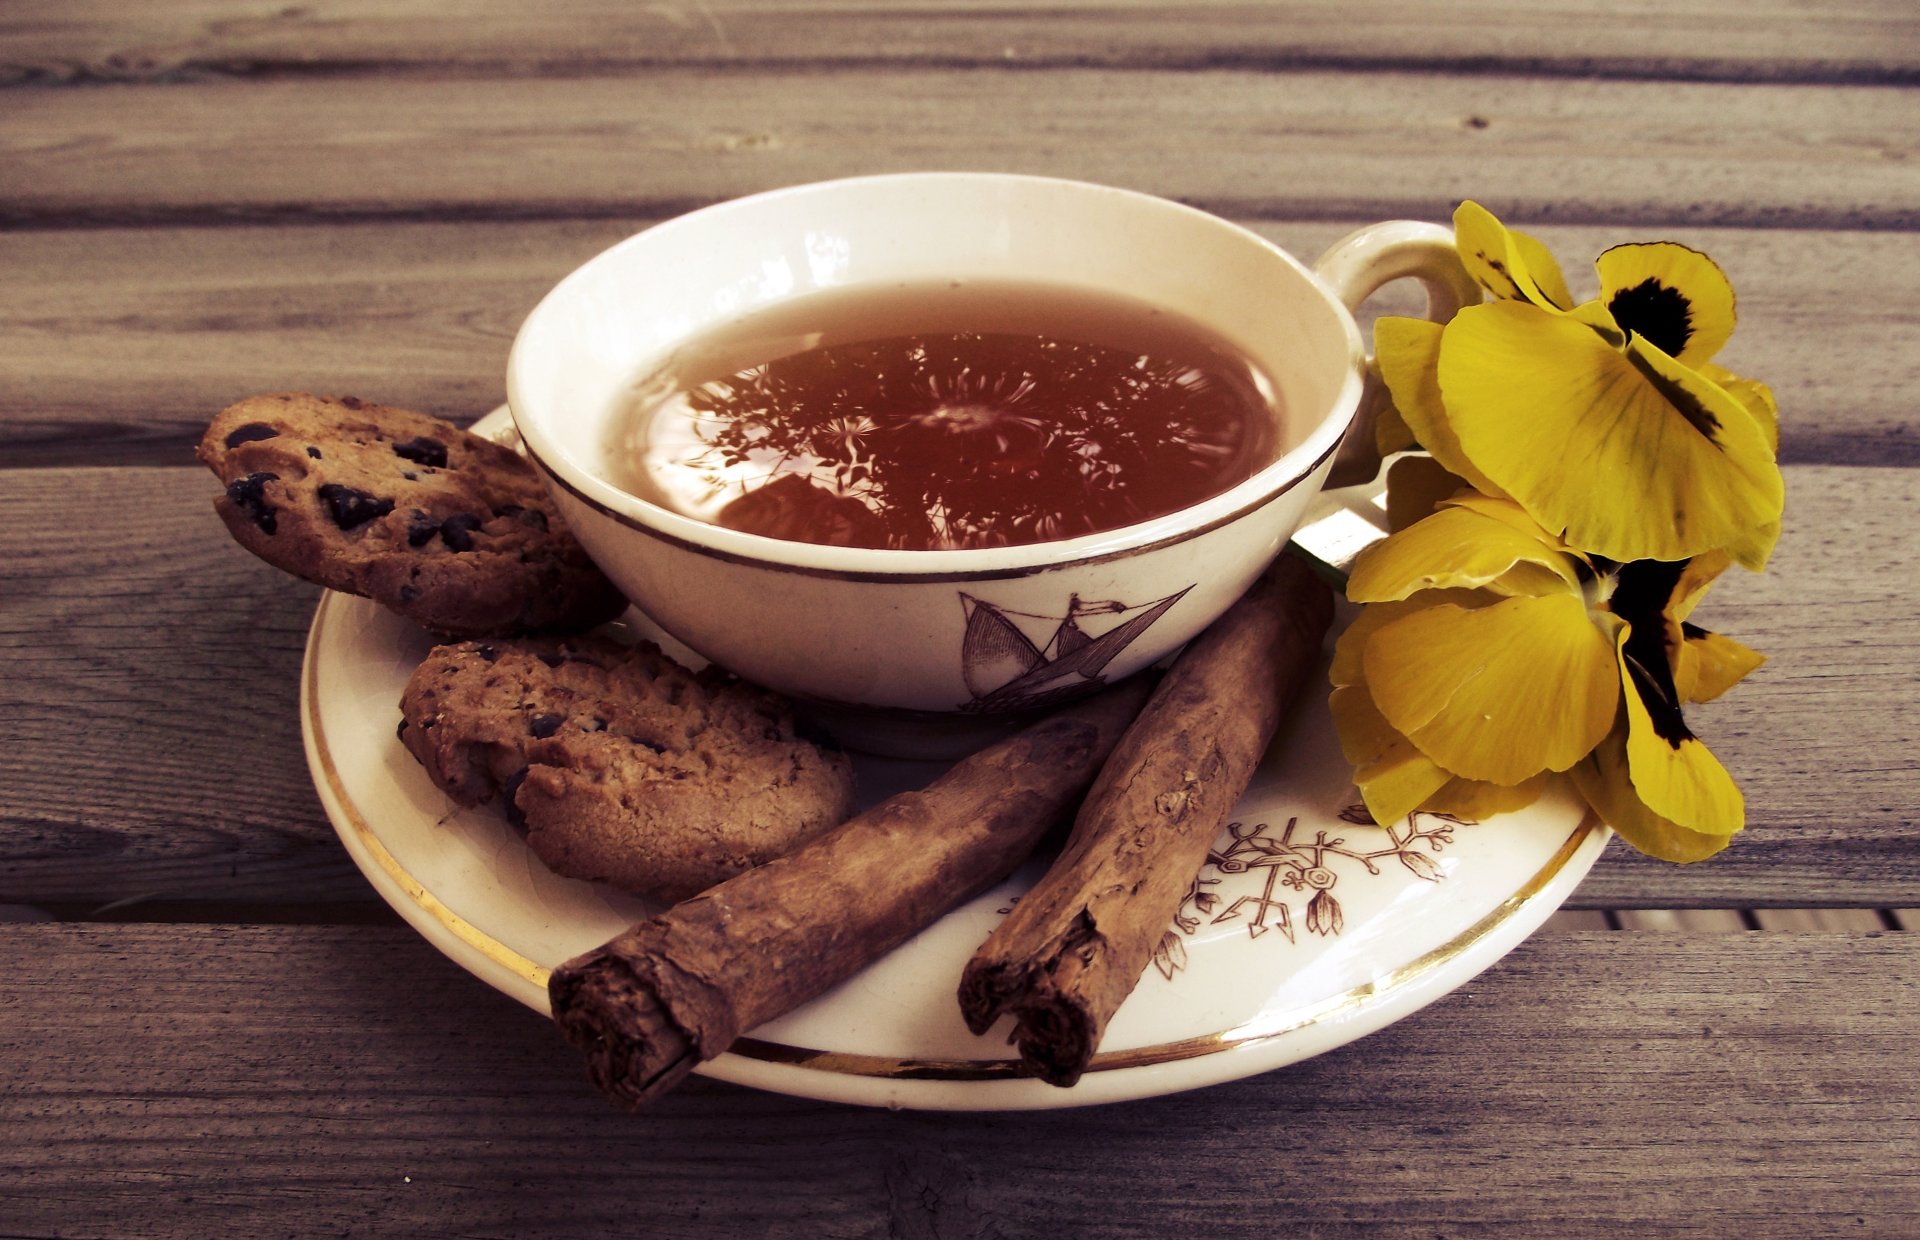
533,518
250,432
552,660
457,530
314,453
349,507
408,594
488,653
421,528
544,725
424,451
249,495
510,790
352,402
807,730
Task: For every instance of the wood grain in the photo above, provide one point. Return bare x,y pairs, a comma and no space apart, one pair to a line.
118,345
149,669
182,1081
60,41
1340,144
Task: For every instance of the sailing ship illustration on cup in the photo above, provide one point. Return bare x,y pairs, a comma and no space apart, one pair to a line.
1018,660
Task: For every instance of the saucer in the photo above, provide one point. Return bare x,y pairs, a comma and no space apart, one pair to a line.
1308,927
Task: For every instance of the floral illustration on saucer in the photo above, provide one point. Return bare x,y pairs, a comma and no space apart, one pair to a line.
1015,660
1304,868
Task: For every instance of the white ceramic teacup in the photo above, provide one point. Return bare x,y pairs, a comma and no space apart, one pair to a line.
916,653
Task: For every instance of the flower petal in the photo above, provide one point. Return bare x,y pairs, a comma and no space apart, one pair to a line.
1506,262
1408,354
1416,484
1393,776
1455,548
1631,454
1351,645
1391,433
1756,396
1675,298
1498,693
1673,774
1709,664
1603,781
1474,800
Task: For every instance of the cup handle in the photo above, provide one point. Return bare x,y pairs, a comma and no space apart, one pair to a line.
1355,268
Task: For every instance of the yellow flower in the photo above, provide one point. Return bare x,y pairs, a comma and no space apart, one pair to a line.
1493,659
1606,421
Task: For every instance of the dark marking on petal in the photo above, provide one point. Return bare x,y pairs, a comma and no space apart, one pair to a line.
1658,313
423,451
249,495
1685,403
251,432
351,508
1641,593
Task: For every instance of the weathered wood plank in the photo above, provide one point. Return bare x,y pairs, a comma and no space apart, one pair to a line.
1571,920
117,345
148,673
305,1081
50,41
1315,142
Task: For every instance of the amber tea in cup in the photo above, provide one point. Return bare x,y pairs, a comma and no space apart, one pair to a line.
945,415
676,338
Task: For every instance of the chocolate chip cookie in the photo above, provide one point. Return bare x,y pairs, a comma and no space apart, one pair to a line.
619,764
451,530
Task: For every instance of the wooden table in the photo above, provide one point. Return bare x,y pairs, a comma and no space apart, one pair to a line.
210,1024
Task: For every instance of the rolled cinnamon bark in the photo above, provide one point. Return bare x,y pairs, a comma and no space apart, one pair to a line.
676,990
1074,947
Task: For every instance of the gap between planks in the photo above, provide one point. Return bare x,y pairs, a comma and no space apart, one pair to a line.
1732,921
1683,921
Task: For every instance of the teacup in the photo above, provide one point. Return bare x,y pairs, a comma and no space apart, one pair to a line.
928,652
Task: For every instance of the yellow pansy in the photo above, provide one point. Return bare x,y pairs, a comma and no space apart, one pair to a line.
1607,420
1493,660
1507,262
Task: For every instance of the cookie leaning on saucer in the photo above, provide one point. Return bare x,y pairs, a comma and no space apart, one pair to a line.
620,764
449,529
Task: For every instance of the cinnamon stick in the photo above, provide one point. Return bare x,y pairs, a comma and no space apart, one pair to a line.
1074,947
676,990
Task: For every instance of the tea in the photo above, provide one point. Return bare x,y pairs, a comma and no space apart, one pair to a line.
956,415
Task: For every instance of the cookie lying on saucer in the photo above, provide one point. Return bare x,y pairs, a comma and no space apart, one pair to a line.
449,529
620,764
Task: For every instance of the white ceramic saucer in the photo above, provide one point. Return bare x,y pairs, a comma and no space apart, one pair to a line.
1305,930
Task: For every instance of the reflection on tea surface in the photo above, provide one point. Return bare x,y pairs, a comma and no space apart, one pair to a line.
946,416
